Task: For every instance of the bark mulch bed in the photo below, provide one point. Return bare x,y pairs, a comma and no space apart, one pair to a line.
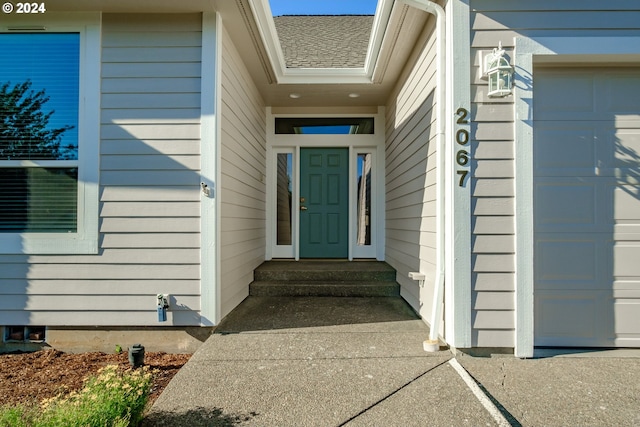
32,377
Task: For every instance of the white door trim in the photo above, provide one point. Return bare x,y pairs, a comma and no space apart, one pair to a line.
356,143
529,51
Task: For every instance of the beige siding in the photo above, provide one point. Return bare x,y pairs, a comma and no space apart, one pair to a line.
494,21
243,167
149,198
410,161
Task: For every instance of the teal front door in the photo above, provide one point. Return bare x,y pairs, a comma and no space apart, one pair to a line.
324,202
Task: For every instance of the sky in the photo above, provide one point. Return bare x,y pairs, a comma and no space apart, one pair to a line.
323,7
43,58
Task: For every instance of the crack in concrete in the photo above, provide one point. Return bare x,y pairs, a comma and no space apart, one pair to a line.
388,396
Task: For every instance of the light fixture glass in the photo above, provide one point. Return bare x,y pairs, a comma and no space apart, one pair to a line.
499,73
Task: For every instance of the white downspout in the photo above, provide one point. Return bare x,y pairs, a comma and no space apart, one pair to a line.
432,344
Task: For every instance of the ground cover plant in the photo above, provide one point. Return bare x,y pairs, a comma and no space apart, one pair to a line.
51,388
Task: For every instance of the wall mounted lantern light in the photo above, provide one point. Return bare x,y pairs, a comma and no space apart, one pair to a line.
499,73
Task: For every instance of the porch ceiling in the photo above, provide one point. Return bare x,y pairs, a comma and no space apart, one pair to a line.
314,88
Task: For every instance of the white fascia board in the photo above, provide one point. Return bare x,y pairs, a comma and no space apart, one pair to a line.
380,22
269,35
323,76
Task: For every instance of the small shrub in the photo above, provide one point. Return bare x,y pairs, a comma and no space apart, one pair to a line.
109,399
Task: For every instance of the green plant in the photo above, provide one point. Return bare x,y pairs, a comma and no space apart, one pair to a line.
19,416
112,398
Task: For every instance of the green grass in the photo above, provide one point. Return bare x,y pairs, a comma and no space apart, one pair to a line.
109,399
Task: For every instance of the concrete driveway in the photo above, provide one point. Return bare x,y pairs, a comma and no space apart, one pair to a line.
299,361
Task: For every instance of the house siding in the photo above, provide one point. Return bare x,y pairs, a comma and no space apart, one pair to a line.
410,180
243,169
149,196
493,221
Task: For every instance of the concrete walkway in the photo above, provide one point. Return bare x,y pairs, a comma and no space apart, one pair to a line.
297,361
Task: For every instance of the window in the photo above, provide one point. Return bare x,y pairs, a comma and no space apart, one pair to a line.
325,126
48,140
283,194
39,80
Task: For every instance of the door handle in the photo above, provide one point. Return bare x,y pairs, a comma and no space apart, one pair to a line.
303,208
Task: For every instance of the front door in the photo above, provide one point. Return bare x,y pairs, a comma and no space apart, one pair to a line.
324,202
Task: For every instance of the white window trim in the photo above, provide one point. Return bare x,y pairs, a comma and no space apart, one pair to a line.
587,50
85,240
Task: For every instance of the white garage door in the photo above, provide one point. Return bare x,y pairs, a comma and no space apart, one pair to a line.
587,207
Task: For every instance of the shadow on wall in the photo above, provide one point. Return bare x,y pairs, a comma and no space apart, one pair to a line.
149,223
411,201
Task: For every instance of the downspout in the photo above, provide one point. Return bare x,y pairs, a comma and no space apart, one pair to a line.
432,344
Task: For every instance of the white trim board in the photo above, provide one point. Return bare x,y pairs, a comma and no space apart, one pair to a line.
458,286
209,141
530,51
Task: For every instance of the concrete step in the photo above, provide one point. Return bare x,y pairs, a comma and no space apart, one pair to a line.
317,288
367,271
325,278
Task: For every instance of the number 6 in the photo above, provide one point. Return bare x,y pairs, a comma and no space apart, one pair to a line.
462,157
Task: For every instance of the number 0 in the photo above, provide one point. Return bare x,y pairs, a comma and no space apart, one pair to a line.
462,136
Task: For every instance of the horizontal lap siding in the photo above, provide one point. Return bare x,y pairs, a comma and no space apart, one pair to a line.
243,167
410,164
149,198
494,21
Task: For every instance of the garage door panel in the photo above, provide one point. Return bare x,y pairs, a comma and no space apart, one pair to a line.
618,93
624,212
626,259
626,148
625,204
627,320
567,315
550,106
564,150
572,261
565,202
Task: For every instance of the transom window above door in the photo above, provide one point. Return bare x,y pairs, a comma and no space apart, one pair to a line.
325,126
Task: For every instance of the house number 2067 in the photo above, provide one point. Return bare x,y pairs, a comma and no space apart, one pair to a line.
462,139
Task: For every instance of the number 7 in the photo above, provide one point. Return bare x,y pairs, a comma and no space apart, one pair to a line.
463,175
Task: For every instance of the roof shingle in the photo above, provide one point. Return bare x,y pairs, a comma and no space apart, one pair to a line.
324,41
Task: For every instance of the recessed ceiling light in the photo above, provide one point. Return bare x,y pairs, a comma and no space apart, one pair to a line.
354,95
294,95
